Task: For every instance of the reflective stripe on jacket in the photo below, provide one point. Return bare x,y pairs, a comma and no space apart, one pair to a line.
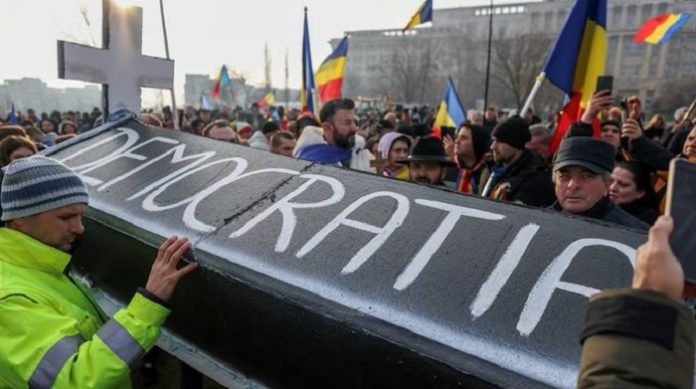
52,334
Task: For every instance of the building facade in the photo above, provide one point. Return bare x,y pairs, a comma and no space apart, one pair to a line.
413,66
33,93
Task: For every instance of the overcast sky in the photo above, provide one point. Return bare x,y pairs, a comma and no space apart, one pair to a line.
203,34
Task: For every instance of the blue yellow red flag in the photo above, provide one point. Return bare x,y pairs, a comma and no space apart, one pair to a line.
423,15
223,79
577,59
330,74
451,112
266,100
660,28
308,85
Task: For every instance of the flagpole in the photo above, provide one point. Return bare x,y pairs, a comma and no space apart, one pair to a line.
537,85
488,60
175,113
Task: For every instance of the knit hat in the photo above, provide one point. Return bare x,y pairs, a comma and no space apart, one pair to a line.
38,184
514,131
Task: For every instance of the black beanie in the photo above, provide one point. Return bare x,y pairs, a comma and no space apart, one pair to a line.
514,131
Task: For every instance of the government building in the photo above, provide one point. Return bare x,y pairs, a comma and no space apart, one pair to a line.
413,67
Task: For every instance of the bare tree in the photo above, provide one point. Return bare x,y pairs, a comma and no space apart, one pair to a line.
673,95
408,74
517,61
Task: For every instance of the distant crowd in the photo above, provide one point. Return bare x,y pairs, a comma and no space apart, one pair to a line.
621,176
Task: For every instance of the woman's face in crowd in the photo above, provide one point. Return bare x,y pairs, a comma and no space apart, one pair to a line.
398,151
47,126
21,152
612,135
623,189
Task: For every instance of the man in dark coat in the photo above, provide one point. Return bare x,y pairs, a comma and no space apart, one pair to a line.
582,176
520,175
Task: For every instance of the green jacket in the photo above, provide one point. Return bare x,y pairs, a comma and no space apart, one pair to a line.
637,339
52,334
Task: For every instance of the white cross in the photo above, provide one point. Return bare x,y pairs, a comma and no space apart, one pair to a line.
120,66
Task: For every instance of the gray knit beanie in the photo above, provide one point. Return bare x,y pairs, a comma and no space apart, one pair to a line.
39,184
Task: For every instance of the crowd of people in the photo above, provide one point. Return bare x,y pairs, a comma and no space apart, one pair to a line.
618,177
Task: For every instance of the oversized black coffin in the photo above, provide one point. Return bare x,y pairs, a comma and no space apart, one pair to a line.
316,276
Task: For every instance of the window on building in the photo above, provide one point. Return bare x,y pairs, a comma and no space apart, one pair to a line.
689,69
649,97
646,12
662,8
613,45
631,14
631,48
616,16
631,72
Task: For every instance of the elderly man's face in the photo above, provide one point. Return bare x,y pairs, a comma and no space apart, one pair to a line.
427,172
56,228
578,189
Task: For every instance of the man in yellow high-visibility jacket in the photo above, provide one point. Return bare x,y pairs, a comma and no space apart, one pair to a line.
52,334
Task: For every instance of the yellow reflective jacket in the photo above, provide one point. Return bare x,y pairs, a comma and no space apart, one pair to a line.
53,335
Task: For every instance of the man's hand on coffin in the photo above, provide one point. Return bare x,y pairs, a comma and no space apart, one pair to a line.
164,275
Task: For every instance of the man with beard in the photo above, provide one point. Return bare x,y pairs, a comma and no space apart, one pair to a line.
53,335
336,142
428,163
520,175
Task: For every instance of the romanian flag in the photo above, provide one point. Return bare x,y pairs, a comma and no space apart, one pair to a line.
659,29
308,88
330,74
577,59
222,80
451,112
267,100
423,15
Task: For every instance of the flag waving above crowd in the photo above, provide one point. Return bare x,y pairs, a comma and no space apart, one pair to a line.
576,60
423,15
660,28
330,74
